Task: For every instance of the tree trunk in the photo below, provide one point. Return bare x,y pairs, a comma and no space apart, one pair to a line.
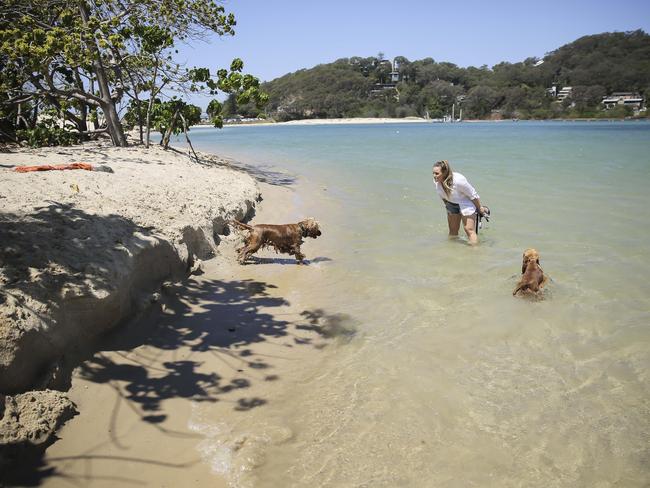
82,124
187,138
140,122
19,115
34,115
169,131
113,123
152,96
107,104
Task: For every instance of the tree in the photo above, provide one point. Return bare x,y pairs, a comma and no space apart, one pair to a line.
481,100
382,71
80,55
173,117
587,97
48,50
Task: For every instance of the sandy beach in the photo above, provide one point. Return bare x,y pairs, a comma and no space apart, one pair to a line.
178,323
405,120
356,120
335,121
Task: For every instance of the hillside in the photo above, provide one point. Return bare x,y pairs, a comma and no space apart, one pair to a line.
594,66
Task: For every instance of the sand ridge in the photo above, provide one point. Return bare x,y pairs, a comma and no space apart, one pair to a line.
181,384
81,251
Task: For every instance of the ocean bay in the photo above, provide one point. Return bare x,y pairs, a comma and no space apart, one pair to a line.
446,377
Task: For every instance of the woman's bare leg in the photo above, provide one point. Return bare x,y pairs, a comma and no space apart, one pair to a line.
453,220
469,224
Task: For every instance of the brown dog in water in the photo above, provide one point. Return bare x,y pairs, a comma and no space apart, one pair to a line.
285,238
532,276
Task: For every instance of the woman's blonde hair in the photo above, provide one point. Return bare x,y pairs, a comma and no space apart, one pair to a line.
447,175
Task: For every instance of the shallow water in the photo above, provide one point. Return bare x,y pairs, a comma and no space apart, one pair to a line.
448,380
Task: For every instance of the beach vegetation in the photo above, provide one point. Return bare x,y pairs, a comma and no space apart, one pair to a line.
89,61
48,131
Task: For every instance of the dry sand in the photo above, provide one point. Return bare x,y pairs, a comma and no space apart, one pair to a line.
226,338
339,121
82,250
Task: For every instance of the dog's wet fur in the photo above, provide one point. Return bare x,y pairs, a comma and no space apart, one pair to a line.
284,238
532,276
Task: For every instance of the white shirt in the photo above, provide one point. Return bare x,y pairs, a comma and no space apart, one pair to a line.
461,193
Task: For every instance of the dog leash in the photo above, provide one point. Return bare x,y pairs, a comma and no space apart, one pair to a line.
486,216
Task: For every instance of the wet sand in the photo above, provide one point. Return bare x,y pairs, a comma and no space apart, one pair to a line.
230,340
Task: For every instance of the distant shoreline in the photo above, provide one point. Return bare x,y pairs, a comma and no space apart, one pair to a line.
338,121
412,120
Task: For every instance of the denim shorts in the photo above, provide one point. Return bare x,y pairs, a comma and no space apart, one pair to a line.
452,208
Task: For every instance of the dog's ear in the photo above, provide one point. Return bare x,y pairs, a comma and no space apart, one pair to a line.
311,224
524,263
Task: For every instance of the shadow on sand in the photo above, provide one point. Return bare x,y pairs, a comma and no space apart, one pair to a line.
61,236
255,260
221,318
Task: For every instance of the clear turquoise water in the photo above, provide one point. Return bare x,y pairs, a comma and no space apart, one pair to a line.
450,381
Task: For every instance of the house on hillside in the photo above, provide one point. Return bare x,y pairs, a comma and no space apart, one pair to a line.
627,99
559,94
565,92
394,74
395,78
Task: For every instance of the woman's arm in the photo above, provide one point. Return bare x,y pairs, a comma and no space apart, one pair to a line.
477,204
467,189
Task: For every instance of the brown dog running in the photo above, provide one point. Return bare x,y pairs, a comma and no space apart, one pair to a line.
285,238
532,276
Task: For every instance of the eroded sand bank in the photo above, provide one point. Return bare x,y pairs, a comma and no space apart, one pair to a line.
167,398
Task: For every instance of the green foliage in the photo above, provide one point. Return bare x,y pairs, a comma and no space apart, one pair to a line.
594,65
618,61
336,90
587,100
47,132
166,115
215,112
135,113
481,100
88,55
616,112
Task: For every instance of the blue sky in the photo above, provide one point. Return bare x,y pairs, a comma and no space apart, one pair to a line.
281,36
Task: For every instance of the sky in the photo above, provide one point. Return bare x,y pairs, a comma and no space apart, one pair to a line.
277,37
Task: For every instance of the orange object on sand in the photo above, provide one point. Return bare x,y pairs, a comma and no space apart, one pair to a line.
50,167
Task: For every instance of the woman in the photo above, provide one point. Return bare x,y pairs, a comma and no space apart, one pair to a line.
461,200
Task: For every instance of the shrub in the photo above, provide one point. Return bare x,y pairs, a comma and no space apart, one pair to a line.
46,135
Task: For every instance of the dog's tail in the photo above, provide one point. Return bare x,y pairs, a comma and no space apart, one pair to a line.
239,224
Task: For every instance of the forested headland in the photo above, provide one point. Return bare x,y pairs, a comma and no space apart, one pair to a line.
594,67
72,71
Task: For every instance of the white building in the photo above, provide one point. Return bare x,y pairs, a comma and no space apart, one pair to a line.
627,99
565,92
394,74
